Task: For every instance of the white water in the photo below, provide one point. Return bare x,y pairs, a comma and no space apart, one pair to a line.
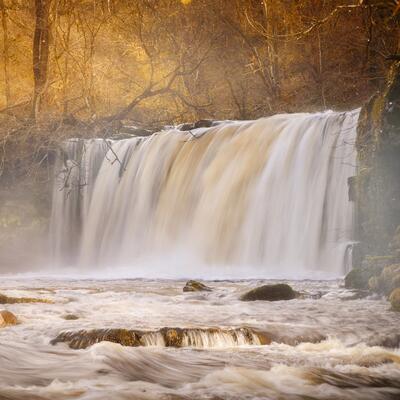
271,194
351,363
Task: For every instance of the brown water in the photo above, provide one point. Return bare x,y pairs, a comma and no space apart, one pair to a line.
326,346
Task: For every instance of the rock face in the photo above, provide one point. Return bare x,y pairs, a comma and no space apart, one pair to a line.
14,300
195,286
277,292
395,299
7,318
376,188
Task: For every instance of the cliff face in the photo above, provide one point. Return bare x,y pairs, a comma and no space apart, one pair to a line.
377,185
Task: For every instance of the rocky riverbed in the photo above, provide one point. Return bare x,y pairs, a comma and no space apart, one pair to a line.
328,343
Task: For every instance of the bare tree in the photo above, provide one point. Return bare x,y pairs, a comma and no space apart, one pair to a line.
40,52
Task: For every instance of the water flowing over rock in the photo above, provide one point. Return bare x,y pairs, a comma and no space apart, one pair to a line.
14,300
165,337
271,193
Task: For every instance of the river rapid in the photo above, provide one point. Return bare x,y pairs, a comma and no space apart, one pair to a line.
331,344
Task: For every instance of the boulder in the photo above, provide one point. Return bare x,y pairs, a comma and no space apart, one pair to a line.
358,278
388,280
277,292
7,318
394,299
195,286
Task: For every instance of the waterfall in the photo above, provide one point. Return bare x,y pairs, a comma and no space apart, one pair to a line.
270,193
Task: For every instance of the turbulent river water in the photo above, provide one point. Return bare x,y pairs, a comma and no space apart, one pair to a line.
329,345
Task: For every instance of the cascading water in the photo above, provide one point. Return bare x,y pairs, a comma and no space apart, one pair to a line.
270,193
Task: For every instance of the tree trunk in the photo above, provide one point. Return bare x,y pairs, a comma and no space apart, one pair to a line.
5,53
40,53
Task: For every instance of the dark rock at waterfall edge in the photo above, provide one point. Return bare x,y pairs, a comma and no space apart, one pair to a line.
358,278
203,123
277,292
195,286
16,300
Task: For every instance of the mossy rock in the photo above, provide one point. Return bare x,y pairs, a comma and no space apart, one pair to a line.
358,278
394,299
277,292
195,286
7,318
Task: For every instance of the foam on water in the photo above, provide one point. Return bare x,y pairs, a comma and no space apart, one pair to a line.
325,347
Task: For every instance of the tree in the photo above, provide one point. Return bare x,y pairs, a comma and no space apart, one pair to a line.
40,52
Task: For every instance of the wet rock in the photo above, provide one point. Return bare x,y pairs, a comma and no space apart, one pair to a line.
358,278
394,299
7,318
195,286
14,300
168,337
203,123
70,317
276,292
83,339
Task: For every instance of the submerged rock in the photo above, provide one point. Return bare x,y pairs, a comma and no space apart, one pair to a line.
70,317
195,286
277,292
395,299
14,300
7,318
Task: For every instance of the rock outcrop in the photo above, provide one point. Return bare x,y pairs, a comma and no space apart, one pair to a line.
276,292
376,188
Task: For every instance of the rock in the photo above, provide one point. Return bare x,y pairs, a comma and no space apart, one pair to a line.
70,317
394,299
83,339
276,292
358,278
168,337
388,280
195,286
7,318
14,300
